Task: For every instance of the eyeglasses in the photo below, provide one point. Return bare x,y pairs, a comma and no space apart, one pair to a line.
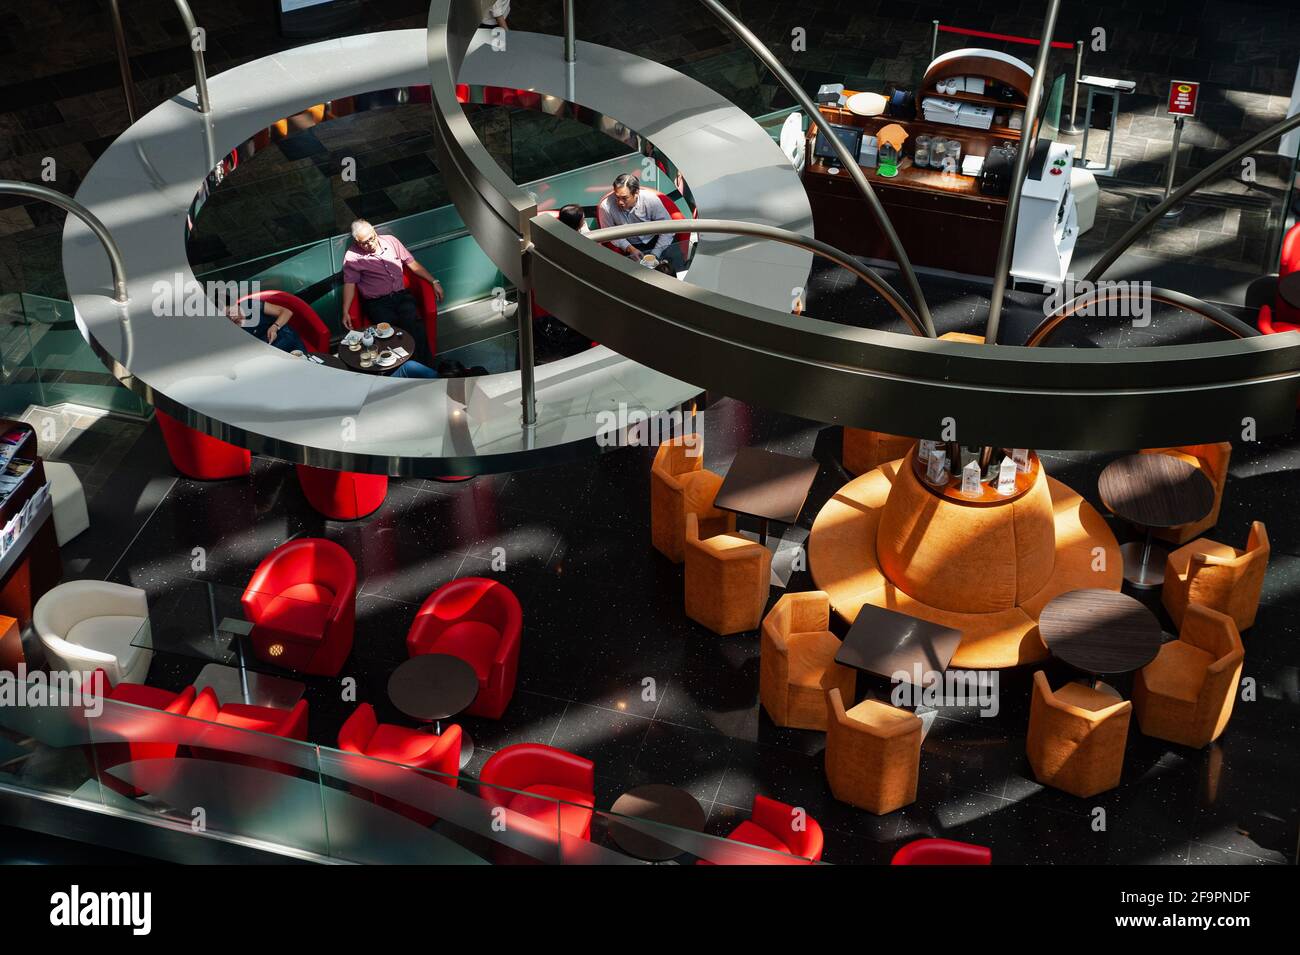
627,201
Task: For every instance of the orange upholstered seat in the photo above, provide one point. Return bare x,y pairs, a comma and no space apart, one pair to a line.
1217,576
1077,737
873,754
1212,460
797,662
679,485
863,449
1186,694
727,580
886,540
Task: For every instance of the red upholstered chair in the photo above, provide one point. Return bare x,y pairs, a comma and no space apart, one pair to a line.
942,852
201,456
683,239
303,320
771,825
440,754
533,776
480,621
425,300
291,724
342,495
302,602
104,756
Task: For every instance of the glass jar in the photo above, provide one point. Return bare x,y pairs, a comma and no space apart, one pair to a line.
953,151
921,158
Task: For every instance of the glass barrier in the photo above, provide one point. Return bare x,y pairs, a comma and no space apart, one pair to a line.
219,768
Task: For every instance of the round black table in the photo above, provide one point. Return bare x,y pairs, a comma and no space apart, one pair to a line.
1101,632
1288,289
1153,490
658,803
433,687
399,339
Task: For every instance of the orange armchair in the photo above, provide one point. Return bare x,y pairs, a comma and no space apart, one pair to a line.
1185,695
864,450
1212,460
873,754
679,485
1217,576
728,578
1077,737
797,661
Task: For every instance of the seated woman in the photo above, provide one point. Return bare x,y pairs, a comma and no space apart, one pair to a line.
267,322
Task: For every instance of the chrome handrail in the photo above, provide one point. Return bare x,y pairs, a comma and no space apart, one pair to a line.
68,204
124,60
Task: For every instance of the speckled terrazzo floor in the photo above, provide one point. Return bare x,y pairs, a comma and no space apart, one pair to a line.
602,611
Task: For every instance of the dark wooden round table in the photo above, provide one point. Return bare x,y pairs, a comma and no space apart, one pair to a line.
399,339
1153,490
658,803
1288,289
1101,632
433,687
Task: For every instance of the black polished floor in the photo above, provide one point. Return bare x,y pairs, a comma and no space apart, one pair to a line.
603,612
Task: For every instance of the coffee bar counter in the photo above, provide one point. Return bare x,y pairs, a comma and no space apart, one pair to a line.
29,552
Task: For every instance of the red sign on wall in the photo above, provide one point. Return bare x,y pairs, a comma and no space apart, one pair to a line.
1182,97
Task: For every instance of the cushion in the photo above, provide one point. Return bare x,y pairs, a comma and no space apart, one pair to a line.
302,610
1180,560
261,719
474,642
1084,697
755,835
110,634
808,655
399,744
1177,671
574,819
878,715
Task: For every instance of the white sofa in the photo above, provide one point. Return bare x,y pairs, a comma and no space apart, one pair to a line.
88,624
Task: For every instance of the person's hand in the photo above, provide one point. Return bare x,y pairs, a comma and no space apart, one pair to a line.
232,313
437,290
347,321
271,332
635,253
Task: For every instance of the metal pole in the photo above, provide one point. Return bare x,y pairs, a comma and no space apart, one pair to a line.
1071,127
736,227
200,71
1173,211
570,33
33,191
527,377
934,40
1007,242
850,163
1191,185
123,60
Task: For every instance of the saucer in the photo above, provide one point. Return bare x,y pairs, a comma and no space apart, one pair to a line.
382,334
388,362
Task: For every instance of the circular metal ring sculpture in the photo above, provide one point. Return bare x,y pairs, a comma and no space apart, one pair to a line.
1008,396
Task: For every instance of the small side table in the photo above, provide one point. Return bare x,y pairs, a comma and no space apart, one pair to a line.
433,687
667,805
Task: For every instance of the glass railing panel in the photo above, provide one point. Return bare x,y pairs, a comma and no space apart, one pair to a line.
217,777
45,735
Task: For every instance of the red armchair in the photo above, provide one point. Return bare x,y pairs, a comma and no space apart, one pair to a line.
364,734
942,852
425,300
342,495
201,456
533,776
302,602
771,825
303,318
105,756
480,621
291,724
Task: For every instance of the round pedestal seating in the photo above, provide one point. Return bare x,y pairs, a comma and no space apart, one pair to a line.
984,569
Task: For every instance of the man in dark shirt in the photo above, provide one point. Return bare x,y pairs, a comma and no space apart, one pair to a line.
268,322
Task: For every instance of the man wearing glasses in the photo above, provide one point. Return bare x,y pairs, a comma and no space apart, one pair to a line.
627,204
373,267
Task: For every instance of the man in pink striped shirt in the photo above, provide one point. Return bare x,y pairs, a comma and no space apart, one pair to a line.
373,266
